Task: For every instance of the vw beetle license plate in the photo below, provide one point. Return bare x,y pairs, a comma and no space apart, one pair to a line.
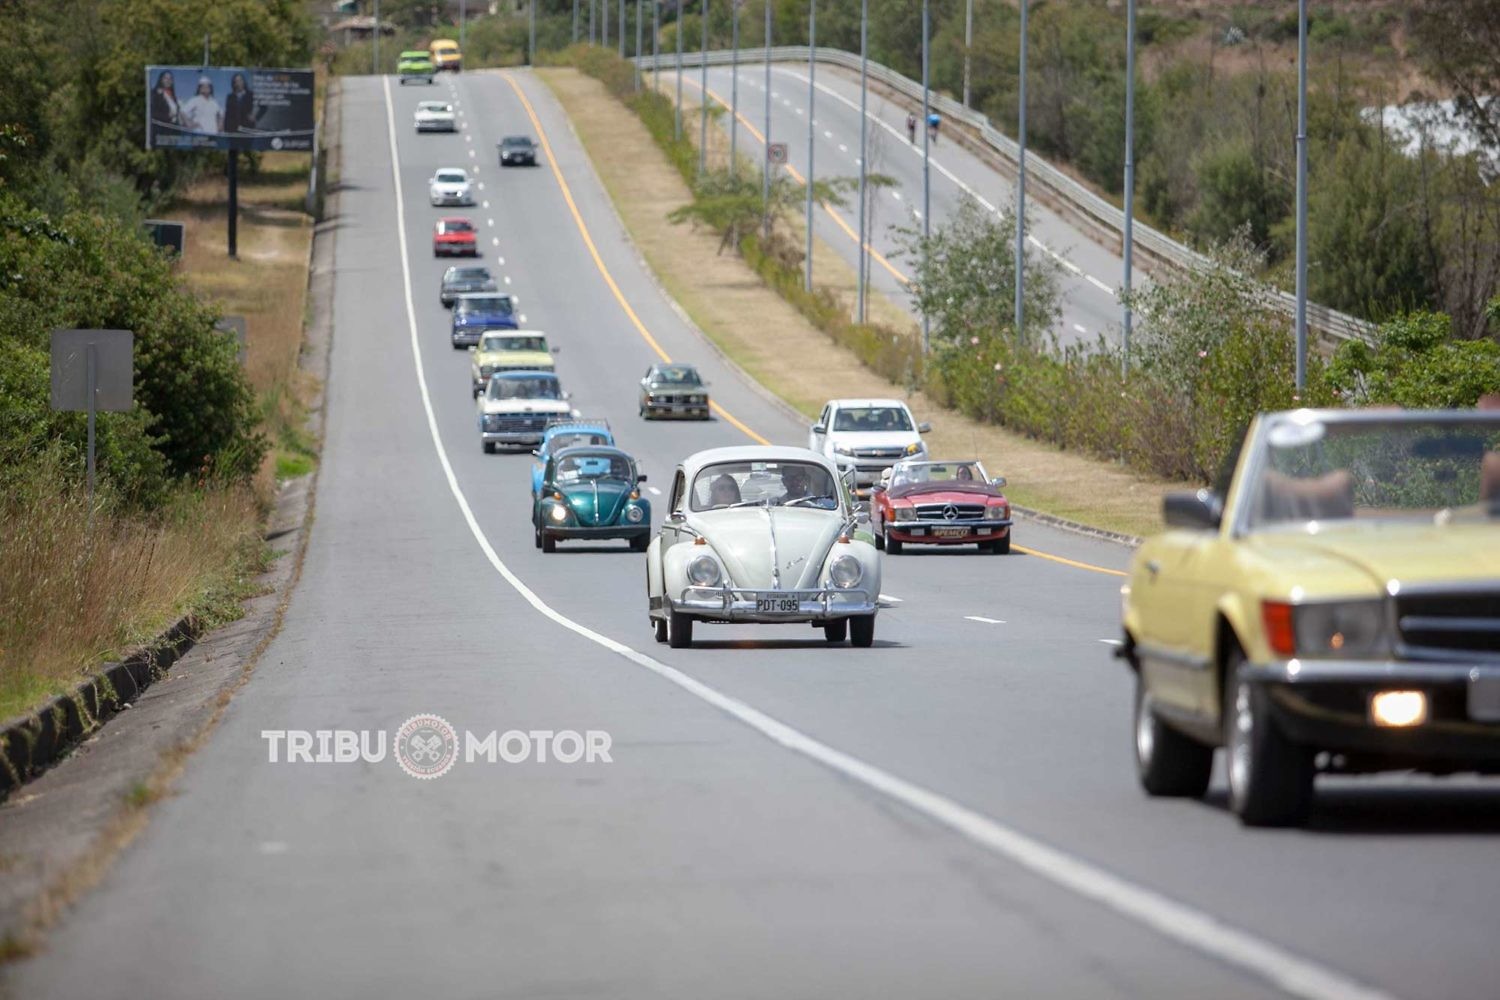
1484,698
776,605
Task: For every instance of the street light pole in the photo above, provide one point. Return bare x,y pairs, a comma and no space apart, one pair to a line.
639,35
765,182
463,18
968,45
1020,314
677,119
1301,194
656,44
1129,248
531,40
926,166
812,98
621,32
864,128
375,54
703,93
734,90
575,23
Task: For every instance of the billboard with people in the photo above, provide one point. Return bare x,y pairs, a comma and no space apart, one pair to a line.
228,107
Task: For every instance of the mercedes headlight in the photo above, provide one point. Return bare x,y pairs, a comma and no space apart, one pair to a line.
845,571
905,513
704,571
558,513
1335,629
633,514
995,512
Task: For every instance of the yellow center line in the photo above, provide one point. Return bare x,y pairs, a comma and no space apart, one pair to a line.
797,176
588,240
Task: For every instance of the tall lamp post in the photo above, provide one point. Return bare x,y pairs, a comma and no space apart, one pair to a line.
1301,195
1129,248
812,97
734,90
703,93
864,127
531,38
677,119
1020,313
968,45
375,52
765,181
926,166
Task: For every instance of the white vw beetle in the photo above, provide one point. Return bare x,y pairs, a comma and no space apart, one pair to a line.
761,534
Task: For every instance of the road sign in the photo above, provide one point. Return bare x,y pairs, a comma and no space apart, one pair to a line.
776,152
92,370
167,235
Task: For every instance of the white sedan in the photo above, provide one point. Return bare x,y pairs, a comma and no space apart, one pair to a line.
761,534
435,116
450,186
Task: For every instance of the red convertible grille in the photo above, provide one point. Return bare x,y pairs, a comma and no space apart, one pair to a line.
941,511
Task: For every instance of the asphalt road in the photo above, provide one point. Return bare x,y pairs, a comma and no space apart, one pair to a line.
950,814
1089,275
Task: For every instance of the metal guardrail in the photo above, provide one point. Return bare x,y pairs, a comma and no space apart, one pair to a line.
1331,326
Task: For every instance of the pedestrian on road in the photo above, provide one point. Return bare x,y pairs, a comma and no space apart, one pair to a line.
911,128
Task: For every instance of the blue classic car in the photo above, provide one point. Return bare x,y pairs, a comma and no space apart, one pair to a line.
476,312
591,492
563,433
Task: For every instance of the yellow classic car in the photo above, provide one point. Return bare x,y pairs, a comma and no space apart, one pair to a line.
1335,607
508,351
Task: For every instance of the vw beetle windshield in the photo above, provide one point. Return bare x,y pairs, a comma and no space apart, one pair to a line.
772,484
601,465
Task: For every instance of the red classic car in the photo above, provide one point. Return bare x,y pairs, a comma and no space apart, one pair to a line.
940,503
455,235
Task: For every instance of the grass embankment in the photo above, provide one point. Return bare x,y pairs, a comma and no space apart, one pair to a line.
783,351
72,595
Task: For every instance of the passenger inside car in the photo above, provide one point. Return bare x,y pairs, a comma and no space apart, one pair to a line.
1314,498
724,491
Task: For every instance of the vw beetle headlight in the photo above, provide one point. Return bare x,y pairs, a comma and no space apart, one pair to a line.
845,571
633,514
558,513
704,571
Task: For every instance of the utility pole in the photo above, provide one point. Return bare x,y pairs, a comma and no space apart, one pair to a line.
765,186
575,23
734,91
812,99
677,119
1021,187
1301,195
1129,248
703,93
531,42
463,17
926,164
968,45
622,29
864,128
375,64
655,44
638,35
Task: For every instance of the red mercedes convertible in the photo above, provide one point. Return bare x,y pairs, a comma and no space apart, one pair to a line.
940,503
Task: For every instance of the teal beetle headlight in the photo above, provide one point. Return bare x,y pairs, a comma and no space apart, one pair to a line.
633,514
558,513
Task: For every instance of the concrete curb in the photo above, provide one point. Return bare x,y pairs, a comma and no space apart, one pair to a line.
1077,527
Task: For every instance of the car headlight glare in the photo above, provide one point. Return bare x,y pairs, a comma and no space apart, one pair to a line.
905,513
633,514
558,513
704,571
1340,628
845,571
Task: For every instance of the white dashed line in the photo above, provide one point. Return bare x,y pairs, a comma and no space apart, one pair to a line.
481,187
1072,267
523,317
487,205
1112,642
490,222
1076,326
495,240
654,491
896,195
981,618
827,134
888,597
1099,284
843,148
507,279
500,259
471,152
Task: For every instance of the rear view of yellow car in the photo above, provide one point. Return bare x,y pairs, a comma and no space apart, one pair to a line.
1335,609
446,55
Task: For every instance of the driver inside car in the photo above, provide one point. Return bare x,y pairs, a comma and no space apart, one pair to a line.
794,480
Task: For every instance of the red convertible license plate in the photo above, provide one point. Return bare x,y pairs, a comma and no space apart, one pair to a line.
777,605
950,532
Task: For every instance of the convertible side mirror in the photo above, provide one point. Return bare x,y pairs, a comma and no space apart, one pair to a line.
924,428
998,482
1198,509
820,429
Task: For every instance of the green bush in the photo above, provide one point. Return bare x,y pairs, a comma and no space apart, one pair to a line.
1414,362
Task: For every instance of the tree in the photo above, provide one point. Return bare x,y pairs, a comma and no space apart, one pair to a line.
1458,43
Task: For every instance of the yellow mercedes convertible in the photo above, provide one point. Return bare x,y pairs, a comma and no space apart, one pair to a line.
1335,607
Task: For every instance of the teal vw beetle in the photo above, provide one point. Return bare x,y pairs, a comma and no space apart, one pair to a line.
591,492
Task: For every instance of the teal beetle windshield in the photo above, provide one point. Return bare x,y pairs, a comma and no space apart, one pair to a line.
584,466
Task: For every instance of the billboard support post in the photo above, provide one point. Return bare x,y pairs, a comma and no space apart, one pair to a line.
100,364
234,203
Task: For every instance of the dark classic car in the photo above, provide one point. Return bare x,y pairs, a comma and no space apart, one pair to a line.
517,149
940,503
458,280
591,492
671,390
474,313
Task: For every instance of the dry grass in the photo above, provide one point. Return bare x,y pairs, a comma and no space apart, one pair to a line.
783,351
71,596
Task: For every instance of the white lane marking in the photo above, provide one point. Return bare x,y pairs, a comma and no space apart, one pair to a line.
1074,268
472,153
918,213
654,491
1076,326
523,317
888,597
843,148
487,205
896,194
1176,921
1112,642
827,134
1099,284
799,111
507,279
272,847
468,137
500,259
987,621
490,221
481,187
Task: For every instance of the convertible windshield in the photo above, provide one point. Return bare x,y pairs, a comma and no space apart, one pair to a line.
1315,470
514,344
593,465
676,375
908,473
872,418
775,484
524,388
489,304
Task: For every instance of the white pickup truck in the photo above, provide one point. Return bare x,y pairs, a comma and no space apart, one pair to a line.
870,435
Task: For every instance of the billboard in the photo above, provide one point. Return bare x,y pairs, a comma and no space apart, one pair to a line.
228,107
